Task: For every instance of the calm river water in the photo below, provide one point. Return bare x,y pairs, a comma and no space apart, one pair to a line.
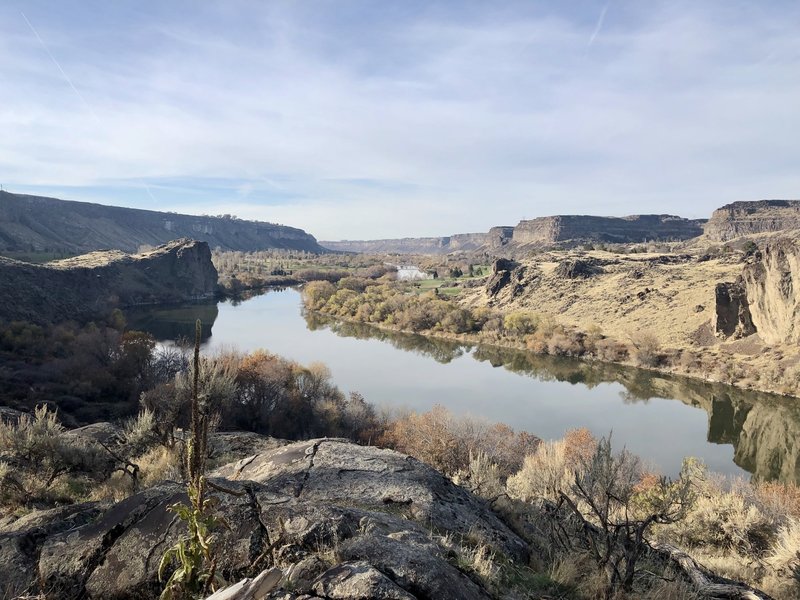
660,418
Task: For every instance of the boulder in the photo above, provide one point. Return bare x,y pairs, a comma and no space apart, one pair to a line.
575,268
341,520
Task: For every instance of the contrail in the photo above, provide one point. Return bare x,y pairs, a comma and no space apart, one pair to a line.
74,89
58,65
599,25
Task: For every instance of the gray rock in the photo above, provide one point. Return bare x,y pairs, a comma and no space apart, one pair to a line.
422,568
343,521
358,581
21,541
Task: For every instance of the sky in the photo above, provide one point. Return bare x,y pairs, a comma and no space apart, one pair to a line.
374,119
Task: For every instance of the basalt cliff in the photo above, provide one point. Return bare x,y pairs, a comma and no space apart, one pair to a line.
770,284
36,224
93,284
750,218
460,242
544,232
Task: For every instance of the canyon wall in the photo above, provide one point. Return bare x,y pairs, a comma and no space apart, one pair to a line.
747,218
36,224
427,245
562,230
91,285
772,282
631,229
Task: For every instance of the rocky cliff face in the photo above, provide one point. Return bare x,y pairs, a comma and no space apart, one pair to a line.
33,223
427,245
733,317
772,282
91,285
563,230
632,229
747,218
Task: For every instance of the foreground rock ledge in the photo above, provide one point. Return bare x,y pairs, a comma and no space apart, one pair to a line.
344,521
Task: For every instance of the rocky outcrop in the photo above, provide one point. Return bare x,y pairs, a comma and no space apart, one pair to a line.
583,228
748,218
34,223
733,318
772,282
502,270
341,520
460,242
499,236
91,285
575,268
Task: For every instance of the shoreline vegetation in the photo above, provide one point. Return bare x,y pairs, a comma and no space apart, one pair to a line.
740,529
396,306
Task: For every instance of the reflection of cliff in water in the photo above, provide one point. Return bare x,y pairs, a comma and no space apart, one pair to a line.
173,322
762,428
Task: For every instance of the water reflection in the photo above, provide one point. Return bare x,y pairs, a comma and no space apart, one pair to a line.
762,428
546,396
173,322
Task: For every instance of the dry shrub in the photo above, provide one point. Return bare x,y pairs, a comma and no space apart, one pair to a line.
726,521
506,448
447,442
41,464
116,488
611,350
432,438
580,445
544,473
779,498
482,477
784,555
565,343
160,464
646,348
553,466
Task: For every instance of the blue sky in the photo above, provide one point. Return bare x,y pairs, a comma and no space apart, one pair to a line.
389,119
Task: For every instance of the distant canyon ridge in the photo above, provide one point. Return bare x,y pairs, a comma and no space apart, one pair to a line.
726,223
39,224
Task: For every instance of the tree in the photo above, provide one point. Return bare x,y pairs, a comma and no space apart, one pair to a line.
616,517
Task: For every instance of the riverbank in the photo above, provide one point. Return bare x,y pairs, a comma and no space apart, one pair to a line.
393,308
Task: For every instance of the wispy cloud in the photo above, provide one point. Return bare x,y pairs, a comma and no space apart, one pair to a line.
356,122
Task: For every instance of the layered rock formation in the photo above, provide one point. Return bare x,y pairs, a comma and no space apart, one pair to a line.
428,245
560,230
583,228
771,283
336,517
747,218
91,285
33,223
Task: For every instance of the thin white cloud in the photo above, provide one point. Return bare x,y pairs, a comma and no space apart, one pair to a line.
426,126
599,25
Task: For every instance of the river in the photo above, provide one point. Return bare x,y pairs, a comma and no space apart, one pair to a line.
660,418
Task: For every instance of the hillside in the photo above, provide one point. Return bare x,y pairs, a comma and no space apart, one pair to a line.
738,312
39,224
93,284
